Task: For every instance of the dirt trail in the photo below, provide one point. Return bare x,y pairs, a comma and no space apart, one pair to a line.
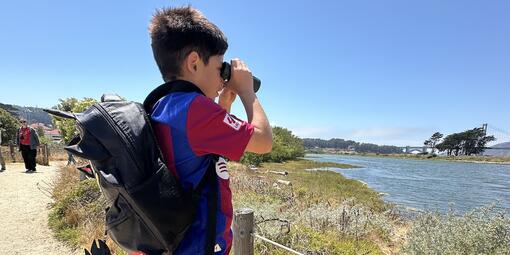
24,212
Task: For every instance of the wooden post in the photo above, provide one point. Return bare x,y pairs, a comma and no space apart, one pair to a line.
46,155
41,153
243,229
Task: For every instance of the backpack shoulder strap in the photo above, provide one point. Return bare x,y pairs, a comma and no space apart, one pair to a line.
167,88
210,179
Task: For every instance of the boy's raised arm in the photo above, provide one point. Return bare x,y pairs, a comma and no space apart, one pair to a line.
262,138
242,83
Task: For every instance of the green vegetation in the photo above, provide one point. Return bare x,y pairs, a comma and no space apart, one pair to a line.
331,143
9,126
327,213
42,138
67,126
466,143
77,214
286,146
320,185
434,140
32,114
315,145
480,231
319,212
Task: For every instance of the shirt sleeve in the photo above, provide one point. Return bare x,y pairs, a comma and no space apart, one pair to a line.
211,130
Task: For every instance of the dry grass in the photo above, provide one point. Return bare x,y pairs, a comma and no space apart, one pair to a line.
57,153
321,212
77,216
324,213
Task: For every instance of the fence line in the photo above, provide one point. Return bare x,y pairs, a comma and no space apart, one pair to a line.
277,244
54,152
244,234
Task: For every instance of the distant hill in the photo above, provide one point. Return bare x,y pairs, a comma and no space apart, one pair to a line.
499,153
32,114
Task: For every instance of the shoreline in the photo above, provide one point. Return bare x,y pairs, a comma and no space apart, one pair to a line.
402,156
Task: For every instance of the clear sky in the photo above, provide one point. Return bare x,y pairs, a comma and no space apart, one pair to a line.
386,72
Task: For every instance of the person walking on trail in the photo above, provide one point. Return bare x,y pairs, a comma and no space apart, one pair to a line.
2,161
27,140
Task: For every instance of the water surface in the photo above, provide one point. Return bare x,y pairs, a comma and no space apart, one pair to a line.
429,184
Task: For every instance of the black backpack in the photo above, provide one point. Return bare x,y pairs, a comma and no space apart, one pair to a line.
149,211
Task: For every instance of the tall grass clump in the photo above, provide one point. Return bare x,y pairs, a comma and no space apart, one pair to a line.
484,230
77,215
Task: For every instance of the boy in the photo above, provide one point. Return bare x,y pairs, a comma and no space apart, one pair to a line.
191,128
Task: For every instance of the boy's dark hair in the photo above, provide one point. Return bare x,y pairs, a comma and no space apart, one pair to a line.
176,32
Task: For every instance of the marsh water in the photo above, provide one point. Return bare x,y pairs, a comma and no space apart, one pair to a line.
429,184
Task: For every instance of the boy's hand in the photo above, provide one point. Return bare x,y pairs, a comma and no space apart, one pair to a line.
241,80
227,97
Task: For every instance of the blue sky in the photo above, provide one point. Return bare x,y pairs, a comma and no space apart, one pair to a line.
386,72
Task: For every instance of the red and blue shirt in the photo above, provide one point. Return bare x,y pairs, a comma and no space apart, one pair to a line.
191,128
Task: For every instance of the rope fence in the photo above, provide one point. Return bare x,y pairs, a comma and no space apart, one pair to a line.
277,244
244,234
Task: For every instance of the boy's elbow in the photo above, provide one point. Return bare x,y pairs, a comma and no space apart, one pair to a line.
268,143
262,143
268,146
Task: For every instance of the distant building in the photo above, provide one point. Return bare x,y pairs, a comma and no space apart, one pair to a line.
51,134
54,135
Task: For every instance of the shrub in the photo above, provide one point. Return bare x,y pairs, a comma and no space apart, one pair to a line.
481,231
286,146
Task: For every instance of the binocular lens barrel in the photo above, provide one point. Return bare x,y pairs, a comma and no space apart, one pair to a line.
226,72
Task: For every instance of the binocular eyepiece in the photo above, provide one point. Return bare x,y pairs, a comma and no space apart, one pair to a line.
226,72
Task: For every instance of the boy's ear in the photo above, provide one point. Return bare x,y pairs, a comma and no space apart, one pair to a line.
192,61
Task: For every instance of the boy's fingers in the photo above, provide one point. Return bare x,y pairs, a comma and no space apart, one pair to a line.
238,64
235,62
245,67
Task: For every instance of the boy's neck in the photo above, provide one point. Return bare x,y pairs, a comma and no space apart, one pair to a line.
188,79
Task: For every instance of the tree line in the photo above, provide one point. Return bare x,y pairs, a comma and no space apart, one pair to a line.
469,142
341,144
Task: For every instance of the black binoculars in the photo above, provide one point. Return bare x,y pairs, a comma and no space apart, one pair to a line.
225,75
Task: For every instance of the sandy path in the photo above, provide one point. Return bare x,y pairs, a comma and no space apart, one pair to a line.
24,212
